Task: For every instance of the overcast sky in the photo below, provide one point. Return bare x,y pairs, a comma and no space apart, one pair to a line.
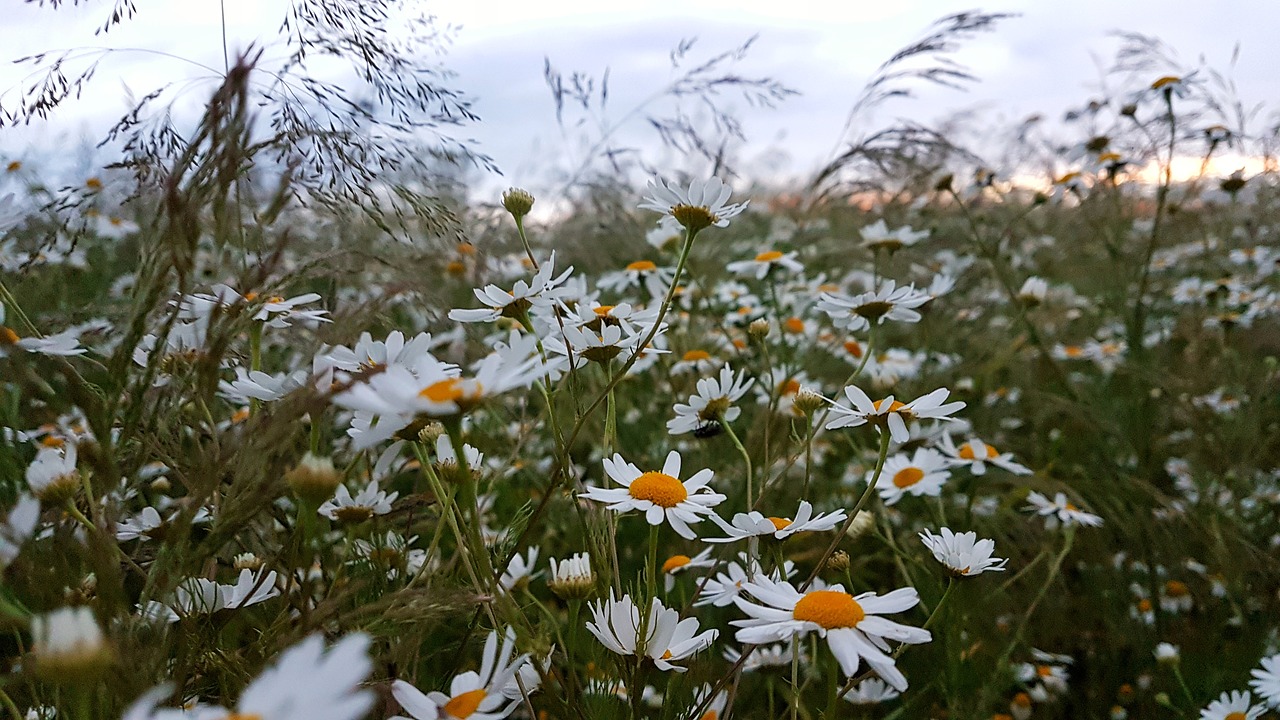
1046,60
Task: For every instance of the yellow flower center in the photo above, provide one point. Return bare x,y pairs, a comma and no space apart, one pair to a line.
8,336
675,562
455,268
642,266
658,488
448,390
1165,81
1044,671
966,451
790,387
1176,588
696,355
853,348
895,406
1022,700
780,523
463,706
829,609
908,476
603,310
793,325
93,183
1144,605
769,256
1236,716
52,441
710,715
244,716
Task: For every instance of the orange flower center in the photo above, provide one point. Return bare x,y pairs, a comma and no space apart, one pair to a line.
1144,605
447,390
908,476
710,715
1176,588
780,523
675,562
790,387
895,406
853,348
7,336
659,488
769,256
696,355
244,716
1165,82
966,451
829,609
1022,700
793,325
1236,716
642,266
464,705
1044,671
603,310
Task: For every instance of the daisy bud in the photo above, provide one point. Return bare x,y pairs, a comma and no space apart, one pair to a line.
807,401
161,485
67,645
247,561
1167,654
314,479
1033,291
758,329
861,524
430,433
573,579
838,562
518,202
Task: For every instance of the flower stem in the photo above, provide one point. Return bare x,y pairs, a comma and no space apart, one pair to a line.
746,458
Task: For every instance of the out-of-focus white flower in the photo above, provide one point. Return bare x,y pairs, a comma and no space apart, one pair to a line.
369,502
1059,509
888,302
755,524
52,475
17,528
878,236
976,454
763,263
520,570
67,642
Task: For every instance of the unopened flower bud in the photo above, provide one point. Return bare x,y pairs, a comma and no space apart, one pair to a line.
573,578
430,433
862,522
808,401
247,561
518,202
161,485
838,562
314,479
758,329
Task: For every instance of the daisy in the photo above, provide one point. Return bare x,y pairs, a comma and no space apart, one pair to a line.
890,412
347,509
700,206
572,578
520,570
920,474
713,403
660,495
668,639
851,625
65,343
762,264
540,291
67,641
257,385
695,361
1033,291
201,596
975,454
878,236
485,695
871,691
677,564
963,554
766,656
715,705
52,475
1060,510
1266,680
861,311
1235,705
755,524
17,528
654,278
305,682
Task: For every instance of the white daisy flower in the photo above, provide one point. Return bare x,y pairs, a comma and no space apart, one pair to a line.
66,640
305,682
715,708
878,236
761,264
520,570
921,474
1033,291
1060,510
369,502
1266,680
963,554
859,312
540,291
17,528
201,596
1235,705
677,564
891,413
52,475
702,205
755,524
721,589
661,496
851,625
766,656
696,361
257,385
616,624
871,691
976,454
647,274
712,404
472,696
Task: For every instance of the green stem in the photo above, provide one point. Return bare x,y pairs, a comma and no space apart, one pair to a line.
746,458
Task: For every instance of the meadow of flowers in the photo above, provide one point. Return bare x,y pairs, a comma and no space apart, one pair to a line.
918,441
